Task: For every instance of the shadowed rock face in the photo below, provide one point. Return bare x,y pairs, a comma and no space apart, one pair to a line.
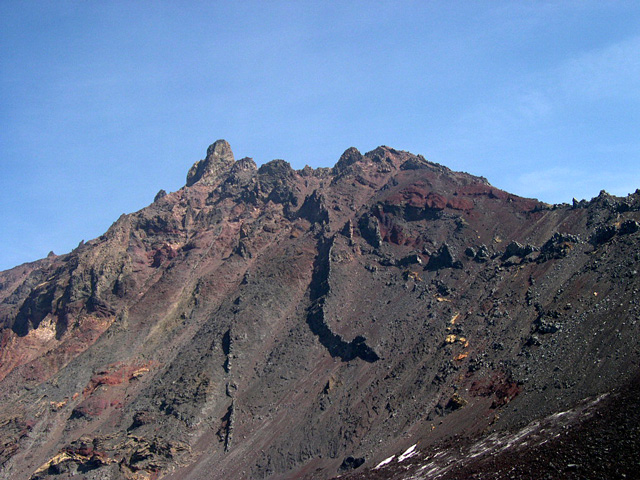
274,323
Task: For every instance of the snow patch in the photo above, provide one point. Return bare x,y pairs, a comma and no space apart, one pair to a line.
560,414
385,462
410,452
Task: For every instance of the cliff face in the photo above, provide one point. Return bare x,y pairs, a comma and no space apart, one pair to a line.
273,323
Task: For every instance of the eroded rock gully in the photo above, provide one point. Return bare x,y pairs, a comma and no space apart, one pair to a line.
384,318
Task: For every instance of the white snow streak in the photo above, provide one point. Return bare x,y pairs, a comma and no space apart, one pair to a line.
411,451
384,462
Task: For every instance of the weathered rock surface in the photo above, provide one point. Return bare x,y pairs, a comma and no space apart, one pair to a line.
273,323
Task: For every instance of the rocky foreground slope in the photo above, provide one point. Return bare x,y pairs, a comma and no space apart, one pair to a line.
384,318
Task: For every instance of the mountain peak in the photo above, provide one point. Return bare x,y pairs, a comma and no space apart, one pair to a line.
219,158
220,148
350,156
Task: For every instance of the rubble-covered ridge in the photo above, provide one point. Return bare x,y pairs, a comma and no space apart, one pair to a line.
385,318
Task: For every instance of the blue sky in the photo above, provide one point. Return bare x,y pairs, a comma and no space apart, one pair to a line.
103,103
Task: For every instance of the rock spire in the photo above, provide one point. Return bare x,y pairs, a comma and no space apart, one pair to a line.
219,158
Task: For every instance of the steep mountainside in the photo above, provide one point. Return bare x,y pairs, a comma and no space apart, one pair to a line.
272,323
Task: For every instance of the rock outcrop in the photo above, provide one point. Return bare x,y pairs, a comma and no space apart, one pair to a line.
218,160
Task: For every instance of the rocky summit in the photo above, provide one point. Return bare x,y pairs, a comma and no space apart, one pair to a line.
386,318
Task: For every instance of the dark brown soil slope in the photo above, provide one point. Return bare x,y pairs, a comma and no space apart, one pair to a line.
282,324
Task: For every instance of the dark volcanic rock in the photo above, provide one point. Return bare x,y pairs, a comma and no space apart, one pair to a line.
514,249
603,234
351,463
161,194
370,230
629,226
558,246
443,258
281,324
351,156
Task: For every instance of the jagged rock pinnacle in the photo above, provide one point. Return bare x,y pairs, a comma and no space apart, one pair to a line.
219,158
350,156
